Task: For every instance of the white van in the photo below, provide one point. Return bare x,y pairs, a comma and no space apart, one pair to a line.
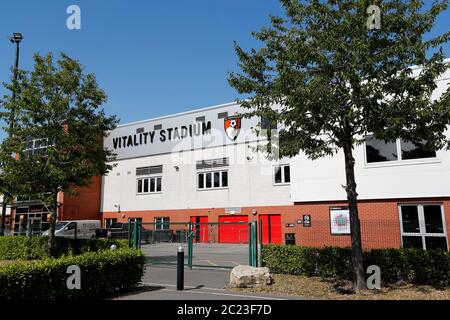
85,229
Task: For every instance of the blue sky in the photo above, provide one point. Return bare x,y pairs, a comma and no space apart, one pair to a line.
152,57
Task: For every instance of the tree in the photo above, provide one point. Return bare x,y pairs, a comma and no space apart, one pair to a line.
54,141
336,80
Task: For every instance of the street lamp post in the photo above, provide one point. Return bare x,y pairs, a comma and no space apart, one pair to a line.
16,38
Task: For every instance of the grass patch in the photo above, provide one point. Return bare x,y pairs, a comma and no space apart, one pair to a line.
319,288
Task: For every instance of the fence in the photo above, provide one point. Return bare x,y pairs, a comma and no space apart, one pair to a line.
208,244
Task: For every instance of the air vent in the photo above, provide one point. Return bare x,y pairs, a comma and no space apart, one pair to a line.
212,163
222,115
149,170
200,119
157,127
139,130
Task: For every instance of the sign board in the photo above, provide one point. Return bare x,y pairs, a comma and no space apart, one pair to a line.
339,220
306,220
289,225
197,129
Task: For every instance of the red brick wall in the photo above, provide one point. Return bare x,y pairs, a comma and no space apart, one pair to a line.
85,205
380,226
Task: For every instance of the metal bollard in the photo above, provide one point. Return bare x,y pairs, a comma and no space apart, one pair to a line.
180,269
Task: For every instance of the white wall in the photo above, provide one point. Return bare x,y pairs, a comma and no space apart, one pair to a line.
250,182
322,179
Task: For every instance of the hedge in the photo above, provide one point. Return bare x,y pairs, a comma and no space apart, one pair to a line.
103,274
25,248
409,265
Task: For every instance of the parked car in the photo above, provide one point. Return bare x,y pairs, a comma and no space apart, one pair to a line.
82,229
119,230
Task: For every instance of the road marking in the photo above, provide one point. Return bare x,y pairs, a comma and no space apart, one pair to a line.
173,285
229,294
212,263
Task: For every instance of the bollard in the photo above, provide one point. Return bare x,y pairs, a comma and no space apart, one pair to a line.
180,269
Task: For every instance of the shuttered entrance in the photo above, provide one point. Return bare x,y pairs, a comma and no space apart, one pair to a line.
230,232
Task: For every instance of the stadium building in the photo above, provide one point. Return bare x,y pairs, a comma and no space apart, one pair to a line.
202,166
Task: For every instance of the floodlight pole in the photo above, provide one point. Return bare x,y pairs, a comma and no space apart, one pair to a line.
15,38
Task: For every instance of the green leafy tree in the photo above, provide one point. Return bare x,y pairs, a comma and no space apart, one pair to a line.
337,79
55,137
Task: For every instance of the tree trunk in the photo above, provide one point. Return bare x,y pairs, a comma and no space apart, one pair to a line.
51,230
359,281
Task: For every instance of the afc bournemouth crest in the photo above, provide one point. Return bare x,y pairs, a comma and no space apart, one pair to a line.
232,126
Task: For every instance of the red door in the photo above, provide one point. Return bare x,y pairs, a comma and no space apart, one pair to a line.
271,228
200,229
230,232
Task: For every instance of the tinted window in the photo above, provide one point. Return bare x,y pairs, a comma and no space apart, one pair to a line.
415,150
200,181
278,175
378,150
433,219
287,174
71,226
152,185
208,180
216,179
224,179
158,184
412,242
410,219
139,186
145,185
436,243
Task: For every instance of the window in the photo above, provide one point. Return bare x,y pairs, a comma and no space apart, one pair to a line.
212,180
162,223
212,174
422,226
282,174
109,222
37,146
71,226
380,151
415,150
149,185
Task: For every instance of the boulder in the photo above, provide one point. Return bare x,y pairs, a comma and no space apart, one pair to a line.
250,277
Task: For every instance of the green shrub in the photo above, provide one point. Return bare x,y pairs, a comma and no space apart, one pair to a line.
25,248
103,274
334,262
410,265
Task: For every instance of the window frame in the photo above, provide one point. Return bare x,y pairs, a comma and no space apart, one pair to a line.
149,178
162,223
422,226
212,172
283,179
400,161
34,149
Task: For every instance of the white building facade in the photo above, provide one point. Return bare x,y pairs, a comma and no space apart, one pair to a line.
202,166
